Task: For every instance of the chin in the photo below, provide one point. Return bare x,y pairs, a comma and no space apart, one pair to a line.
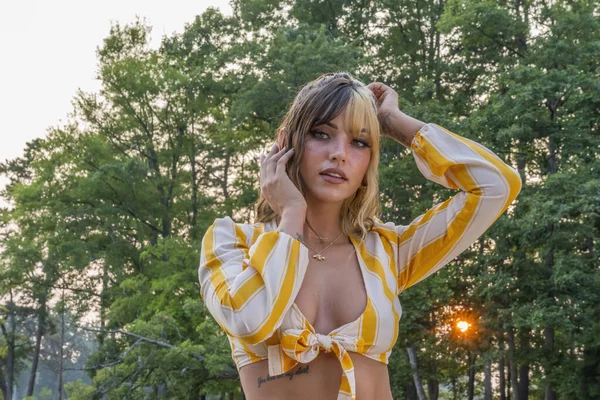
331,195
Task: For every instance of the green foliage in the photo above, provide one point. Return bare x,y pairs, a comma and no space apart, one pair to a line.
107,212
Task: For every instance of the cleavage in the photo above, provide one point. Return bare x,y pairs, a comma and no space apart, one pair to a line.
332,295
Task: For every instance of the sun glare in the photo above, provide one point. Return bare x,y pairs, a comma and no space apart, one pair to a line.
463,326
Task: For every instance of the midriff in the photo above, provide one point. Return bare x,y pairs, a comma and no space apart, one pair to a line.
318,380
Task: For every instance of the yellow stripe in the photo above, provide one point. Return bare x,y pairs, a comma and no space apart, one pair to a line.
514,182
273,340
368,329
257,231
258,259
346,362
253,356
216,276
246,290
428,216
375,266
390,253
431,254
345,385
263,250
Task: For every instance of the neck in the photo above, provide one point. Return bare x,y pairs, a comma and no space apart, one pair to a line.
324,218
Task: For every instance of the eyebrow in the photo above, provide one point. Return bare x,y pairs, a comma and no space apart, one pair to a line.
334,126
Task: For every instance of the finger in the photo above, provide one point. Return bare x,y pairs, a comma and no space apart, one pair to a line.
377,92
375,85
267,158
274,160
279,154
273,150
263,168
283,161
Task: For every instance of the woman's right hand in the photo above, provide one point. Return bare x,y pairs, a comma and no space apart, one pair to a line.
275,184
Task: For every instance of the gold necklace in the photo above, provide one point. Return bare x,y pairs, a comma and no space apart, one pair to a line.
321,238
318,255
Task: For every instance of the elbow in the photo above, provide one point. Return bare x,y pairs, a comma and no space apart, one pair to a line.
245,323
516,183
508,185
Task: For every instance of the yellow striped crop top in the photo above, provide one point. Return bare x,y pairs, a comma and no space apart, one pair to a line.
250,274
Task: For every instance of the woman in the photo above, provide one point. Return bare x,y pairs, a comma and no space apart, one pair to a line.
308,295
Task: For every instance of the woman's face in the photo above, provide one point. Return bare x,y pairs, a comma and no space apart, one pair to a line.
331,146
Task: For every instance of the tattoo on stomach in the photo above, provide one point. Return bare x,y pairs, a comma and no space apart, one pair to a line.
290,375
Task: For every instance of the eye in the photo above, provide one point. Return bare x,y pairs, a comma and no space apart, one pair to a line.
362,144
317,133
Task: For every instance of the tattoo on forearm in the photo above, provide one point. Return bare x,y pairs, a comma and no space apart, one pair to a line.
388,128
298,235
290,375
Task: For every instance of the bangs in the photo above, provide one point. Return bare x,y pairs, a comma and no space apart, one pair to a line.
361,115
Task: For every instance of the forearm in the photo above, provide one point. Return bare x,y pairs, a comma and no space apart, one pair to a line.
292,223
248,288
400,127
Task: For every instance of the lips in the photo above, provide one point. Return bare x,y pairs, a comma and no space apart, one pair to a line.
333,179
334,171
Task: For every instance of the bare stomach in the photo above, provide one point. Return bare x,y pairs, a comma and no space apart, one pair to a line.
318,380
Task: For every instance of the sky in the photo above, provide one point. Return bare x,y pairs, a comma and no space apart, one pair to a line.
48,52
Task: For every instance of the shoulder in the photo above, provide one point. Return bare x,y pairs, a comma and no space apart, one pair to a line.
225,228
386,230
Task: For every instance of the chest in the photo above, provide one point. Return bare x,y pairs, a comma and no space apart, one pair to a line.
333,291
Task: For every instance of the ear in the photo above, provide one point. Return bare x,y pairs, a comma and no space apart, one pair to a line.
280,138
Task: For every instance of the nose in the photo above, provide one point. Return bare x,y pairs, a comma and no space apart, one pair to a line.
339,149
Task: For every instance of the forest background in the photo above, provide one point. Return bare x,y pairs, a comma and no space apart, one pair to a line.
100,238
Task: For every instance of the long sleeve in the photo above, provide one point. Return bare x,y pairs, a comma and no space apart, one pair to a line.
488,186
248,289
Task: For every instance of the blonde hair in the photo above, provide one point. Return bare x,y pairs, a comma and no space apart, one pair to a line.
318,102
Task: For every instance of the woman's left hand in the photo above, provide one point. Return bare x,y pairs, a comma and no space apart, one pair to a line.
387,99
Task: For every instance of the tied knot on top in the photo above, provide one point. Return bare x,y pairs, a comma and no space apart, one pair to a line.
324,341
303,345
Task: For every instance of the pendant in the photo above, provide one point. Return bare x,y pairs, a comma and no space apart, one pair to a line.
318,257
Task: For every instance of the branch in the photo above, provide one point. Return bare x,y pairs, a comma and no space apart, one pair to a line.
229,373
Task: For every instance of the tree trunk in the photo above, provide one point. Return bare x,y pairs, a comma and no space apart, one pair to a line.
524,382
10,348
513,365
410,392
62,345
550,394
509,380
10,354
433,385
38,340
589,371
412,356
524,370
471,384
487,369
193,222
454,388
502,381
2,384
104,299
